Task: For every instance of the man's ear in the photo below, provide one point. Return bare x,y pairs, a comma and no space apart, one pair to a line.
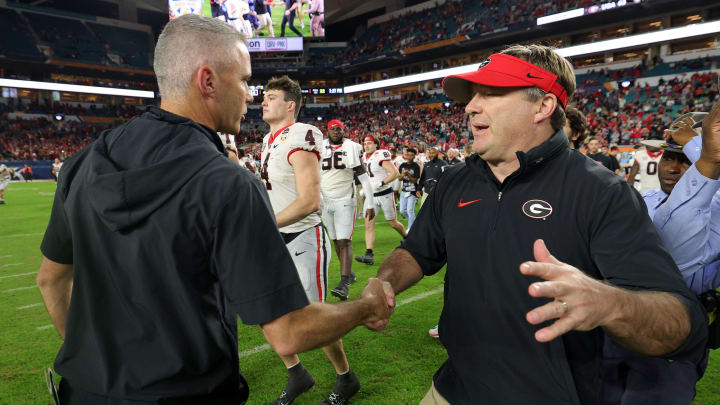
545,107
206,81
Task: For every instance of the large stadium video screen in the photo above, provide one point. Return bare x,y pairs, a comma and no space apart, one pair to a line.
260,18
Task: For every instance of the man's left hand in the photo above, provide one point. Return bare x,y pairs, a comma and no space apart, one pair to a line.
581,302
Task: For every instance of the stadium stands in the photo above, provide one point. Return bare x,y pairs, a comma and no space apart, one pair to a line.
16,40
69,39
131,45
452,19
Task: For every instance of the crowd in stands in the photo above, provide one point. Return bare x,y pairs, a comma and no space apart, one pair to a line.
622,115
92,110
449,20
42,139
629,114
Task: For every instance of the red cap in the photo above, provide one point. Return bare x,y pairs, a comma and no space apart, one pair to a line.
335,123
501,70
370,138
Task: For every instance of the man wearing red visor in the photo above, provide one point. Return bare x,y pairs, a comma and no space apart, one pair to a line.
520,325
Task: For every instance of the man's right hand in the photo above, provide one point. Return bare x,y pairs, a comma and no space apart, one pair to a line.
711,135
381,297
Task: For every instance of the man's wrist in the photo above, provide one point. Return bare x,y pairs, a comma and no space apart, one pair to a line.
708,168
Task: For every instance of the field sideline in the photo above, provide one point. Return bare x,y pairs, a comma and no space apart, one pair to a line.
395,366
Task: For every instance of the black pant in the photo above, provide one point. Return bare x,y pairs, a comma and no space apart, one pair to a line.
291,19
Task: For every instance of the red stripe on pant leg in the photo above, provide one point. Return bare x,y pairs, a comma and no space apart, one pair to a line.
317,266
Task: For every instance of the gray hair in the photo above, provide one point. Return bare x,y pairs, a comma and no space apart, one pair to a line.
185,44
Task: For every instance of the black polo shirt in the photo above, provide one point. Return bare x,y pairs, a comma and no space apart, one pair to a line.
601,158
589,218
170,241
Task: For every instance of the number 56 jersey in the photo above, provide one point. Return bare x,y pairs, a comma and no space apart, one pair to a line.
338,164
279,175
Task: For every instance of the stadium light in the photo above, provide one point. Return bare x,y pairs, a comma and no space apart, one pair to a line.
670,34
594,47
75,88
565,15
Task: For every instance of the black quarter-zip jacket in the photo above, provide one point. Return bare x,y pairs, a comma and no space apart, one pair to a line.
483,229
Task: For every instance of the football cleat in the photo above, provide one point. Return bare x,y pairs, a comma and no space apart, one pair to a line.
341,291
367,259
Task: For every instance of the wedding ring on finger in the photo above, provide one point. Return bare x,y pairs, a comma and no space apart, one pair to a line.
565,306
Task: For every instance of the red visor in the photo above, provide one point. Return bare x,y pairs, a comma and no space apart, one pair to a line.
501,70
335,123
370,139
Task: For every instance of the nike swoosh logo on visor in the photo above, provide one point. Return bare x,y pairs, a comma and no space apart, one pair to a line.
533,77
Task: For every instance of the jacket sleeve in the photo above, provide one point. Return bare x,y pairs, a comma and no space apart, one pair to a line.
627,252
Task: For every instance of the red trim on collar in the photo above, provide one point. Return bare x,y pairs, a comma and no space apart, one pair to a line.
273,136
654,155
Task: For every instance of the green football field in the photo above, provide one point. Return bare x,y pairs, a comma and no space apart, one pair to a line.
395,366
277,15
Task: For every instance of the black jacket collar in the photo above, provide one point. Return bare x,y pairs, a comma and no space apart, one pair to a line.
529,161
163,115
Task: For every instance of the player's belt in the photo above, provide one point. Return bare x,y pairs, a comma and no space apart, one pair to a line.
384,192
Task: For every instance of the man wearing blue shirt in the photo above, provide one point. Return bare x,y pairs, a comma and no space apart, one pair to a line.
685,223
681,213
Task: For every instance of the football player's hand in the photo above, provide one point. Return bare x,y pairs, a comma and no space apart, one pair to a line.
370,214
381,297
585,299
287,12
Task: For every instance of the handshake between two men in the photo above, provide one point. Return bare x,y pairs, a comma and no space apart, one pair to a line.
318,324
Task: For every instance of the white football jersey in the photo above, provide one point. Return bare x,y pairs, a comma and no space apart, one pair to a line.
4,173
373,166
229,141
338,162
648,172
400,159
237,8
279,175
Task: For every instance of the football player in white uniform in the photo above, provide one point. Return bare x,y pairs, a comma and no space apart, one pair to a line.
291,171
341,160
5,176
645,165
56,166
382,172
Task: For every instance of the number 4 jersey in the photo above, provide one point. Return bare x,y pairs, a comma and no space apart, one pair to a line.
279,175
338,162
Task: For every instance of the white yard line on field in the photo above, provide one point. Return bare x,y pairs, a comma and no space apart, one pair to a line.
20,288
45,327
18,275
30,306
22,235
262,348
10,264
2,257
